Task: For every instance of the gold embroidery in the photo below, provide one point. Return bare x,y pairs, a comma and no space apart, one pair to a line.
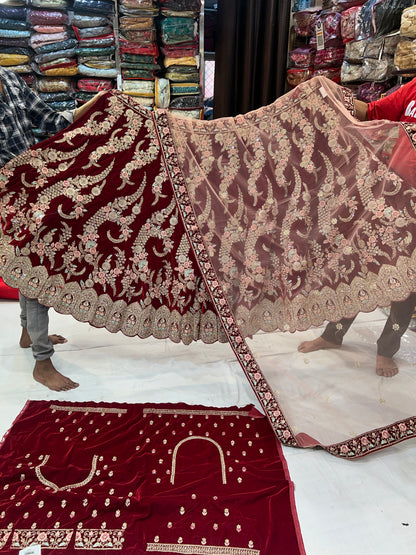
98,538
4,536
191,549
175,452
196,412
104,410
46,482
54,539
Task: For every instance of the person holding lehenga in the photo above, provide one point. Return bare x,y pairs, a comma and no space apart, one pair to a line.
151,224
398,106
21,109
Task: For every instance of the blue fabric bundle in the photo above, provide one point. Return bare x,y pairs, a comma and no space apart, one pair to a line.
13,12
53,47
6,23
95,6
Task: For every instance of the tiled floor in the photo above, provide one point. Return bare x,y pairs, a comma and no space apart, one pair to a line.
367,506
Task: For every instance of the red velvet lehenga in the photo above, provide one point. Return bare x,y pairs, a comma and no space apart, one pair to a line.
279,219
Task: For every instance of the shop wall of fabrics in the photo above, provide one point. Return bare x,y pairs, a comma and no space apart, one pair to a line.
368,46
68,50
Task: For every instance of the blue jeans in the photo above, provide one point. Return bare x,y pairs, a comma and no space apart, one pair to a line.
34,317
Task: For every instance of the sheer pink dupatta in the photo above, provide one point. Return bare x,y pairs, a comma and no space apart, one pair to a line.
299,214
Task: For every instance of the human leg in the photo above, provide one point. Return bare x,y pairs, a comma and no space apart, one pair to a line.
331,338
35,321
389,341
25,339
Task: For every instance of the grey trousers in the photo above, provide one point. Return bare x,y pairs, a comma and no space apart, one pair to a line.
34,317
389,341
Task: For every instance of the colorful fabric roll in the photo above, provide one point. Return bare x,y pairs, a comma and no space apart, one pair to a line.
194,114
186,102
146,36
47,17
137,74
37,40
54,46
49,28
111,73
83,21
14,33
49,56
50,4
62,106
90,32
55,97
49,85
96,6
185,61
7,23
162,92
91,52
180,89
22,68
12,42
178,29
136,23
179,77
94,85
140,88
13,12
12,59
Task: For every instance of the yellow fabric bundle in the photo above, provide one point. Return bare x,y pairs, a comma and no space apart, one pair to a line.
13,59
184,61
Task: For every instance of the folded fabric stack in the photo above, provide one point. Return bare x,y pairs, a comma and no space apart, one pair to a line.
92,23
15,53
138,49
180,50
53,60
405,55
55,48
355,42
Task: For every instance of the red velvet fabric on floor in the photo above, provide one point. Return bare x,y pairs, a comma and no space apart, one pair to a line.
145,478
7,292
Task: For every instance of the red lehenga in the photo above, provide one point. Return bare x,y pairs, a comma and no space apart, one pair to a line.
279,219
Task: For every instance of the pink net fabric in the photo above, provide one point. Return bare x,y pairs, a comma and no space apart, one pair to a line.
305,214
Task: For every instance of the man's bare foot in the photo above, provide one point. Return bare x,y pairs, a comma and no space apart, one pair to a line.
26,342
316,345
46,374
386,367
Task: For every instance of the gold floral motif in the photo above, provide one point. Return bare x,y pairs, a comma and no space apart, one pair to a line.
4,536
53,539
97,538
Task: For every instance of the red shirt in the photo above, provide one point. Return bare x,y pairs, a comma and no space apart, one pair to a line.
398,106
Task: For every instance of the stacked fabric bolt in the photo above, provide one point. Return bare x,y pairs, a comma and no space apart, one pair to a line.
92,23
405,55
51,29
138,49
54,61
180,49
15,53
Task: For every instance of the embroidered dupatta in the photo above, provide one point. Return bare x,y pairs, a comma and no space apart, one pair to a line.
279,219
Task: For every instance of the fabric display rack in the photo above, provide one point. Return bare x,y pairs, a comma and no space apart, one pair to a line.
69,50
369,47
